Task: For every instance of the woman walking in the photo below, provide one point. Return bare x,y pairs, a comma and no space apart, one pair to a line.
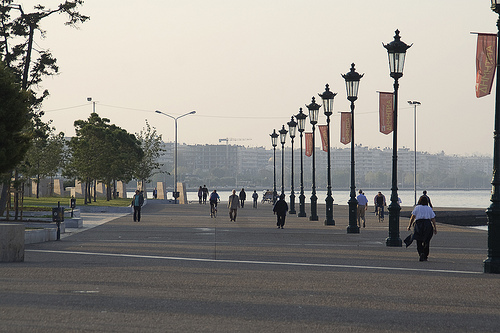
424,221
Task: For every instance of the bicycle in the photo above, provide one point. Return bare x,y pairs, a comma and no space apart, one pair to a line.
213,209
378,212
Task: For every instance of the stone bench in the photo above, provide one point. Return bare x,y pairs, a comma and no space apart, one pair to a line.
11,242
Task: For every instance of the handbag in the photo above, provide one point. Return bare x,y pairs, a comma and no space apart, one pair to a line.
408,240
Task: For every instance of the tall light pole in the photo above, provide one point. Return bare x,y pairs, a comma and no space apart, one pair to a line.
414,103
313,119
328,97
301,118
274,142
283,133
396,51
492,263
292,128
352,79
175,194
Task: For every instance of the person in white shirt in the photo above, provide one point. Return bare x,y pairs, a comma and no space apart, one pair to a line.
423,220
362,207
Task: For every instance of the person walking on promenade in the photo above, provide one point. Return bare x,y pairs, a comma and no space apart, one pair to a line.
200,194
380,203
205,194
243,197
255,196
423,221
155,193
234,203
280,208
362,207
428,199
137,202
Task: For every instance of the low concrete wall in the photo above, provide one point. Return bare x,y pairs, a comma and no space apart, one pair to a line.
457,217
32,236
11,242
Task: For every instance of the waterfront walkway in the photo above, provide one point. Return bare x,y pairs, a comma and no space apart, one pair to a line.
178,270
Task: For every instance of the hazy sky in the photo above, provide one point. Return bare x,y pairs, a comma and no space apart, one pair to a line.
247,66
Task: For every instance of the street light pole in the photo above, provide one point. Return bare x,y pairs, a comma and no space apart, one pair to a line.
313,119
292,127
396,51
328,97
283,133
175,194
274,142
352,79
301,118
414,103
492,263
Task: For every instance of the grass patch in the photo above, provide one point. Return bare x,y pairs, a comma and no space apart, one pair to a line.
36,204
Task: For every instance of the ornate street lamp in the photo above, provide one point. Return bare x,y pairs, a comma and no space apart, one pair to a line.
292,128
301,118
492,263
274,141
313,119
352,84
175,194
396,51
283,133
328,97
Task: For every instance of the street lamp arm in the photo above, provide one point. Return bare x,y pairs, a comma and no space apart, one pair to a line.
175,118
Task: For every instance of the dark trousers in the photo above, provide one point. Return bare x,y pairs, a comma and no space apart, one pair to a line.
137,213
242,203
281,220
423,249
254,203
232,214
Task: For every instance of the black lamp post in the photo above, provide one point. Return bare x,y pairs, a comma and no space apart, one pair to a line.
313,119
301,118
397,52
283,133
292,128
274,141
492,263
328,97
352,84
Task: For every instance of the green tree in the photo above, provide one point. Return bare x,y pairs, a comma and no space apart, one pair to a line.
102,152
151,144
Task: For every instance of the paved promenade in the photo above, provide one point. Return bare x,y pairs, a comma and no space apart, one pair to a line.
178,270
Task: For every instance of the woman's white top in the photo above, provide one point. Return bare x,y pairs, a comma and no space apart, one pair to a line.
423,212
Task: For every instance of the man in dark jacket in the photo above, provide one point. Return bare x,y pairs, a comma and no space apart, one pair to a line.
280,209
137,202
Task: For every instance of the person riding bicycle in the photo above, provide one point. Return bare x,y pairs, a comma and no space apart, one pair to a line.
379,202
214,198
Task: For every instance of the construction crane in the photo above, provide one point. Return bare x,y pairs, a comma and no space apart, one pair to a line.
227,144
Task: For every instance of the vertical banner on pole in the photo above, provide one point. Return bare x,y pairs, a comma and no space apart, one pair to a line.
323,131
486,63
345,127
308,137
386,111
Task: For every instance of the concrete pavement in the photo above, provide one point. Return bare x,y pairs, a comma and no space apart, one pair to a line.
178,270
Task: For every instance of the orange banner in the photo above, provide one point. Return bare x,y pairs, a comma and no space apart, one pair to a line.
309,143
486,62
345,127
323,131
386,112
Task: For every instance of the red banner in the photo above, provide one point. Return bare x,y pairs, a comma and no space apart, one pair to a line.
309,143
386,112
345,127
486,62
323,131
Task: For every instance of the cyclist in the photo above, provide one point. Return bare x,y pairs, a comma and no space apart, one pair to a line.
379,202
214,198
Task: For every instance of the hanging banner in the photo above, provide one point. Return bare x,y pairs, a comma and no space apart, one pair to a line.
386,112
323,131
309,143
345,127
486,62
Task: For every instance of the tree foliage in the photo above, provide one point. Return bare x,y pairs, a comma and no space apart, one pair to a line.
151,144
103,152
